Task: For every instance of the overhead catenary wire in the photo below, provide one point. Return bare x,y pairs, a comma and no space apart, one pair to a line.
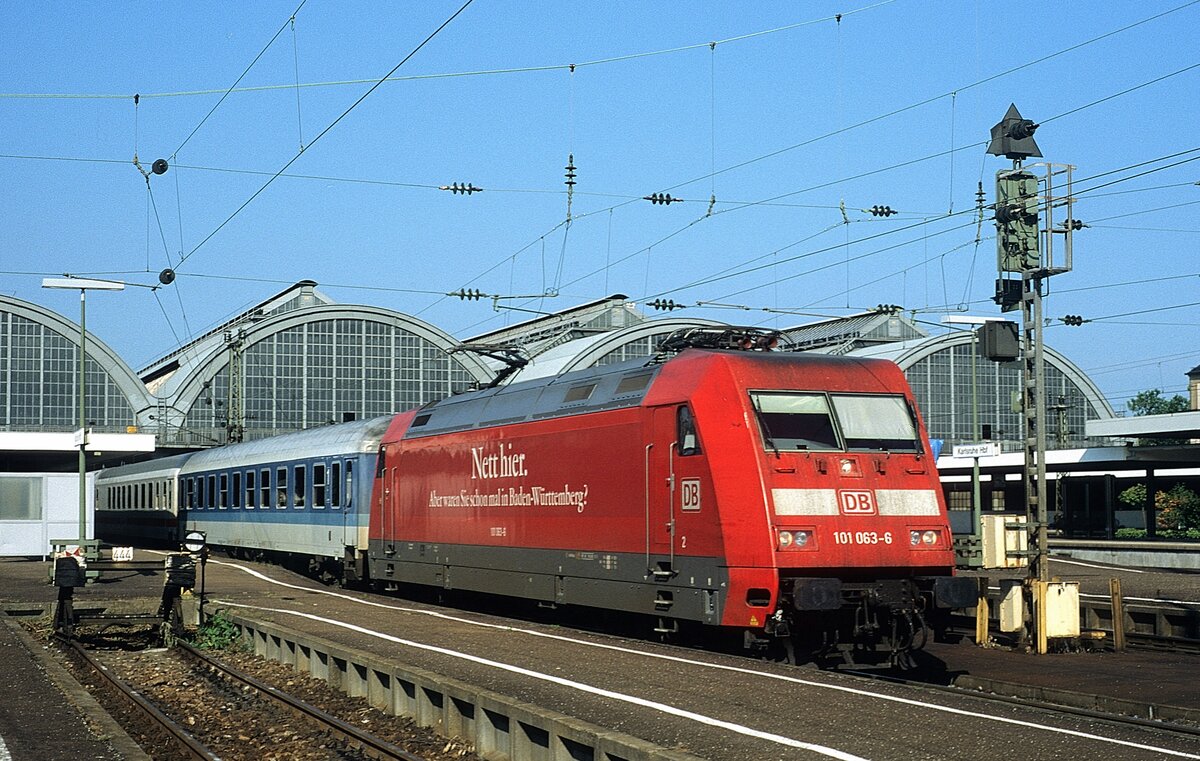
241,76
325,131
445,75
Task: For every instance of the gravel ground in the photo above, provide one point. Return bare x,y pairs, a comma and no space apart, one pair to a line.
234,723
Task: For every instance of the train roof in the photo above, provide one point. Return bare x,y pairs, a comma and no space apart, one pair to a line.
359,436
157,465
603,387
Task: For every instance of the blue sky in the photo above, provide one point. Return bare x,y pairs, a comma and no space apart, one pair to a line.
791,114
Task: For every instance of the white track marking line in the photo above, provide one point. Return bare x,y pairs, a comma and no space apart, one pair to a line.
4,754
717,666
660,707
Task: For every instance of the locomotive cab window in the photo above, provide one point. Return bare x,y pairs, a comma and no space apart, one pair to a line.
791,420
880,421
689,441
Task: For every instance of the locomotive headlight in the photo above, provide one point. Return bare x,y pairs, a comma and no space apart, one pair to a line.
929,537
914,538
802,538
785,539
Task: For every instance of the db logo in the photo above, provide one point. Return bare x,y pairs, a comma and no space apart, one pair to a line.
857,502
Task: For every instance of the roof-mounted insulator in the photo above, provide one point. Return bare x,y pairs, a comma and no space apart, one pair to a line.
463,188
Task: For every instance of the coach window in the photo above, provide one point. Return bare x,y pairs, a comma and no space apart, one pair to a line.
280,488
318,484
236,490
224,502
189,493
350,482
689,442
335,484
299,487
250,492
264,488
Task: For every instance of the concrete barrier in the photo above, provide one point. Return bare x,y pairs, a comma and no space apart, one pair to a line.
500,728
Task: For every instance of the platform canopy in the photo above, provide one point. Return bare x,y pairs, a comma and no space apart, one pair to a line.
1176,425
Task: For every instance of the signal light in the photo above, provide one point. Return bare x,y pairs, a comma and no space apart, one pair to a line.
465,188
467,294
665,305
882,211
661,198
1017,207
1021,129
1073,319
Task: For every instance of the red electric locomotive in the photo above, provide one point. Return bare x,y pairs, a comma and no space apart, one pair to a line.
788,496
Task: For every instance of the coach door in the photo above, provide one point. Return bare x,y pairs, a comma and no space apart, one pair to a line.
661,494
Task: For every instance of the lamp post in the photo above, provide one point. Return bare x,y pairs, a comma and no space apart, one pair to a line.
83,285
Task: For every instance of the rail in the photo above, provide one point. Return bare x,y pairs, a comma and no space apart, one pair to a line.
179,738
368,744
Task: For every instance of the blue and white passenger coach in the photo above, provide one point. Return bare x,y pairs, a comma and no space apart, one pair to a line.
302,497
139,503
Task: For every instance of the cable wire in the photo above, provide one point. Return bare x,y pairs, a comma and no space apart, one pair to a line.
325,131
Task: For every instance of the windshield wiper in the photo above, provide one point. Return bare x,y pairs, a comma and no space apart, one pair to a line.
762,425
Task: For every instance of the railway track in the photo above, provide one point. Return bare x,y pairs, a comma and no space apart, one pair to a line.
982,693
369,745
173,729
139,710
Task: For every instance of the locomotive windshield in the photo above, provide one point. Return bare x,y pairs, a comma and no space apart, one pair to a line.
792,420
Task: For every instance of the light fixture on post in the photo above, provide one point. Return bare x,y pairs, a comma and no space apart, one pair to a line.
83,285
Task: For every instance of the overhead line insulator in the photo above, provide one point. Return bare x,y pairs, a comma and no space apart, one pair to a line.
665,305
1073,319
661,198
467,294
882,211
464,188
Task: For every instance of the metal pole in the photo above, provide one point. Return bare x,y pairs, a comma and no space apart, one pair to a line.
82,416
1039,368
976,493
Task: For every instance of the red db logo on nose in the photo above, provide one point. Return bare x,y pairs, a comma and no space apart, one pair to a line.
857,502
